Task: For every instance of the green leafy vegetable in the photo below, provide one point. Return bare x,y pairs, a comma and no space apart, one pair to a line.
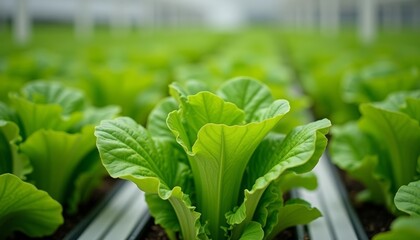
46,138
25,208
381,150
407,198
57,154
407,227
227,157
404,228
375,82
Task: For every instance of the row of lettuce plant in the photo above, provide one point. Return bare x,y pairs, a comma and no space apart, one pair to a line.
48,159
197,139
381,151
192,210
339,73
131,71
372,97
188,159
210,164
254,54
47,121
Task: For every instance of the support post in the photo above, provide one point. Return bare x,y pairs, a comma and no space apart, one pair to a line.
83,22
22,23
329,13
368,21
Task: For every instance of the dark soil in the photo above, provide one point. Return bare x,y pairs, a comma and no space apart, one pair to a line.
155,232
374,218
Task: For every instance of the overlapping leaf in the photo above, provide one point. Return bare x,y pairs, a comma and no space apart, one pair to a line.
212,133
25,208
301,147
218,136
128,151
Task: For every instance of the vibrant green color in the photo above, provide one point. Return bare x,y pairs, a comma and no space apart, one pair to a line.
46,139
374,82
25,208
404,228
381,149
221,174
407,200
22,206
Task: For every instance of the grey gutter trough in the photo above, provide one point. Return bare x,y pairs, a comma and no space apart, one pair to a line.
124,214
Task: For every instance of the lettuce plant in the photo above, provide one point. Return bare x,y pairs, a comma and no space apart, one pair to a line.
407,200
209,165
374,82
23,207
381,150
47,140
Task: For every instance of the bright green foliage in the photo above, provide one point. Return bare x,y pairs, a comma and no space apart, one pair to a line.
134,89
375,82
25,208
228,177
55,156
46,138
404,228
381,149
407,200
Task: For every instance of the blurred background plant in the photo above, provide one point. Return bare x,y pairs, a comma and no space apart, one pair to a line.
328,58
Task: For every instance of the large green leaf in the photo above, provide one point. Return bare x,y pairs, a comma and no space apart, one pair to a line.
217,158
303,146
200,109
70,100
359,162
55,155
397,137
407,198
128,151
345,148
248,94
50,105
126,148
42,116
25,208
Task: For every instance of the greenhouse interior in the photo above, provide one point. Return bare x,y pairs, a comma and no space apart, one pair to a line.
285,119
